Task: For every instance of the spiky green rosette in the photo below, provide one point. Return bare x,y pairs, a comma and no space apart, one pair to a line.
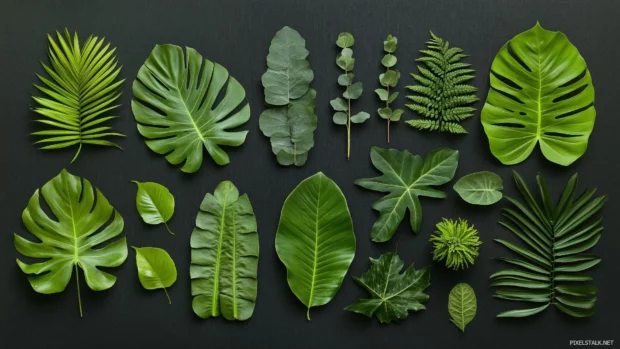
456,242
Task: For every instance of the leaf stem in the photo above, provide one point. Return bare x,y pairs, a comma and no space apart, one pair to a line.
167,228
78,153
308,314
77,281
167,295
387,105
348,126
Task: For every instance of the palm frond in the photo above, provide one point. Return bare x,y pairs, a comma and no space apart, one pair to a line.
441,96
553,251
78,94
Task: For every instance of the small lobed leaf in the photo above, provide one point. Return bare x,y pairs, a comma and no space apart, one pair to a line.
462,305
354,91
480,188
345,40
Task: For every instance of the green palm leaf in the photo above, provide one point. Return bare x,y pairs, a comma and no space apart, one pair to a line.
553,252
184,103
80,91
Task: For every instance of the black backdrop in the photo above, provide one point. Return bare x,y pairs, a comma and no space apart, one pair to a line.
236,34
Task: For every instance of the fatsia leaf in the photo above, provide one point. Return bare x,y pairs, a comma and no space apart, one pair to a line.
289,120
480,188
552,255
462,305
184,103
155,269
541,93
406,177
315,240
78,233
155,203
224,255
393,293
80,92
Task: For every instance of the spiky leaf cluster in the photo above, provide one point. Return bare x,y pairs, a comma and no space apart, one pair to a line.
80,92
456,242
353,90
388,80
441,96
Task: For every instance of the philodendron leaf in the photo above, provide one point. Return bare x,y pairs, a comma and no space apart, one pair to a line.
224,255
406,177
480,188
541,92
462,305
393,294
315,240
174,104
155,203
81,220
155,269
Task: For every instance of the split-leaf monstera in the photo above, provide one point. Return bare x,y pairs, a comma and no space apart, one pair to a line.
406,177
184,103
541,92
315,240
82,220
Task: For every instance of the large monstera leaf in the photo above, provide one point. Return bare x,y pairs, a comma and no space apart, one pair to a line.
541,92
224,260
82,219
183,103
315,240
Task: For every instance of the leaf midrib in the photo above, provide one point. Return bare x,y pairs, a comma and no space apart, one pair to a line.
216,279
316,246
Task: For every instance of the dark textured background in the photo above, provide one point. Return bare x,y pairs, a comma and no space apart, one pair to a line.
237,34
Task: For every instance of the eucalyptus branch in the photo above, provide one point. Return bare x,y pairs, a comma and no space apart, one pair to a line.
389,79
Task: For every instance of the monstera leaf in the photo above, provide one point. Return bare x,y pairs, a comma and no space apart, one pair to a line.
224,259
181,106
405,178
82,219
315,240
541,92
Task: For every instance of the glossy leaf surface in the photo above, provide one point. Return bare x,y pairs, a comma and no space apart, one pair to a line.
480,188
156,268
155,203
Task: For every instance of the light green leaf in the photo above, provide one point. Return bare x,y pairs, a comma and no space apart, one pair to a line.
392,97
385,113
541,93
81,220
155,269
345,40
389,61
360,117
224,256
462,305
354,91
346,63
389,78
340,118
393,294
339,104
345,79
396,114
174,106
390,44
346,52
480,188
315,240
155,203
406,177
382,93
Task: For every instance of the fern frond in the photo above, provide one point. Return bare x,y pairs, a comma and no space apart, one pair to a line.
422,124
553,250
80,90
441,93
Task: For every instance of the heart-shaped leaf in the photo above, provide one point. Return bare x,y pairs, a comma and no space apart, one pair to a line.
155,269
155,203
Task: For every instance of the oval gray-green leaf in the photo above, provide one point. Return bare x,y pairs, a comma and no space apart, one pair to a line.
345,40
354,91
156,268
340,118
480,188
462,305
345,79
155,203
389,61
360,117
339,104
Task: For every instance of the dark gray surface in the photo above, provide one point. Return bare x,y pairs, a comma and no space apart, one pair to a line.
237,34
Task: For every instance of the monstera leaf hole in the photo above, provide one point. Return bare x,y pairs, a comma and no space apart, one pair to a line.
184,103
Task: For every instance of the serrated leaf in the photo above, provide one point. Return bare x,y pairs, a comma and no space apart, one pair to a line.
480,188
315,240
393,293
462,305
155,269
340,118
346,79
354,91
389,61
339,104
224,255
360,117
345,40
406,177
382,93
154,203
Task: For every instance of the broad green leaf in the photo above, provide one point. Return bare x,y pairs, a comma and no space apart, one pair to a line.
393,293
345,40
541,92
175,107
154,203
360,117
382,93
480,188
339,104
224,255
345,79
315,240
406,177
354,91
77,234
389,61
462,305
155,269
340,118
79,92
